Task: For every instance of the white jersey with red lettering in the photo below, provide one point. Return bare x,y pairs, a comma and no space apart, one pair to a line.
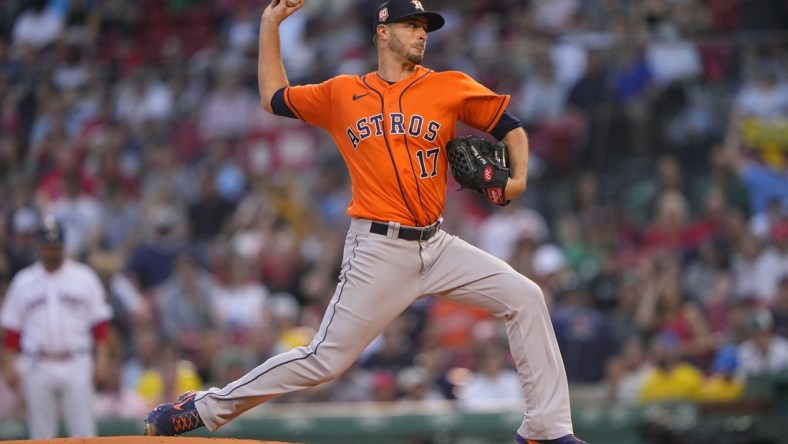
54,313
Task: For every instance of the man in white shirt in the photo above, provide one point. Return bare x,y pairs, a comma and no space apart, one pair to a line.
764,353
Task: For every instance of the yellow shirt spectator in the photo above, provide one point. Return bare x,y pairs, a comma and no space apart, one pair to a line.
151,385
720,388
722,385
682,382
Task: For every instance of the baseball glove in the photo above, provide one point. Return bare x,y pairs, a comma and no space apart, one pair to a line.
480,165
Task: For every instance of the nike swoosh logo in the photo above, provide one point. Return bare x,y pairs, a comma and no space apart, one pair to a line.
179,406
356,97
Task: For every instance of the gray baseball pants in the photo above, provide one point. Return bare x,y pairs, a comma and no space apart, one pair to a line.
381,276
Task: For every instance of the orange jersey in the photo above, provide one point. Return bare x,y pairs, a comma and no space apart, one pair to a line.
392,135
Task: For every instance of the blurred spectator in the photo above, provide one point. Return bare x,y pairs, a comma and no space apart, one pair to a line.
242,27
593,98
764,352
705,268
67,166
384,386
167,182
586,196
762,16
20,246
184,304
669,233
286,323
756,270
81,23
634,91
760,224
355,385
626,373
37,25
145,343
74,72
493,385
143,99
762,96
208,214
723,384
229,110
779,247
781,308
128,306
553,132
392,351
122,219
549,270
238,302
230,178
623,319
665,309
416,386
668,178
113,400
671,379
80,215
570,58
118,16
448,324
763,183
167,375
153,259
229,365
716,305
693,130
583,336
672,58
318,280
709,215
542,96
603,286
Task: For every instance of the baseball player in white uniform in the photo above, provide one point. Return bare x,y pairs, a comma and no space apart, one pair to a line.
55,321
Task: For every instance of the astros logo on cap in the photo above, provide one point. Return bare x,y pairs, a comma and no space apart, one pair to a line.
383,15
417,4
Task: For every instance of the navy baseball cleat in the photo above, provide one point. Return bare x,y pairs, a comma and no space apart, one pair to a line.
568,439
174,418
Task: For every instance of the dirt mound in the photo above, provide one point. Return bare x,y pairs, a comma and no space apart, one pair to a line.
144,440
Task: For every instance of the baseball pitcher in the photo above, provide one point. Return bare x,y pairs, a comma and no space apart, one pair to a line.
395,129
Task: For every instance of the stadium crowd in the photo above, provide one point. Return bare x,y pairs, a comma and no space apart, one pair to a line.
655,220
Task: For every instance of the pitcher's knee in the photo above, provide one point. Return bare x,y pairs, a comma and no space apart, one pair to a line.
525,297
526,290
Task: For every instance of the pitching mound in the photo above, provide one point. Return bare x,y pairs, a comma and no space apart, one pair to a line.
144,440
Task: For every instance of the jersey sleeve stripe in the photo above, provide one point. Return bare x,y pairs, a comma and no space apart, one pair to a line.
279,104
100,331
12,339
498,113
290,104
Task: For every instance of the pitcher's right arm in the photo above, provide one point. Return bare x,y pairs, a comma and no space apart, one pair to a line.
271,76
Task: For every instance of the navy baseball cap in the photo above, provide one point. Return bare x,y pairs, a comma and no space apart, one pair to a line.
50,231
396,10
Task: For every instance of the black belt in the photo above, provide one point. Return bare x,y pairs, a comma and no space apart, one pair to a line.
406,233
